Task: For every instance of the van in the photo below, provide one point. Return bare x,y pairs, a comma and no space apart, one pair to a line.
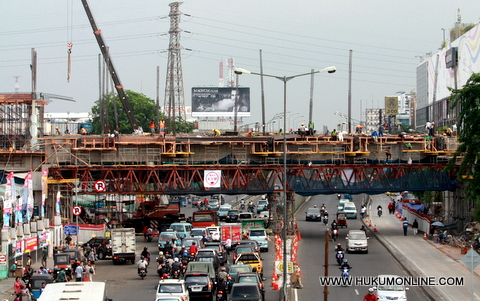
183,229
387,289
202,266
93,291
357,241
350,210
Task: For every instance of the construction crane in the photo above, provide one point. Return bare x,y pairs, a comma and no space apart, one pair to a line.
111,68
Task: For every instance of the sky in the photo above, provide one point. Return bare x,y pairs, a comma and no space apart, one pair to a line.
387,39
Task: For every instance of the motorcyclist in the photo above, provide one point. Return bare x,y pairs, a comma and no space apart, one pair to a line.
363,228
314,206
142,264
334,225
339,196
339,248
345,265
145,253
363,211
323,206
379,207
251,206
160,258
325,214
370,296
222,287
176,266
222,274
193,249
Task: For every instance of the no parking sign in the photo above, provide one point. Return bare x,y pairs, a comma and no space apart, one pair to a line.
212,178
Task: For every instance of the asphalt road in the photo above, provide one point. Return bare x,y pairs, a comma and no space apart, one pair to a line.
312,257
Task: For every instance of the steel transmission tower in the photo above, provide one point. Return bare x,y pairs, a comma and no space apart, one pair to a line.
174,104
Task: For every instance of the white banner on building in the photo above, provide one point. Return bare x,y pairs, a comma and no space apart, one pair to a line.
212,178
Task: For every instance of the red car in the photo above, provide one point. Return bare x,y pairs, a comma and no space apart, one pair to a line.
408,197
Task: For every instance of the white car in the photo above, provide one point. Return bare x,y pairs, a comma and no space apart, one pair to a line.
388,290
357,241
214,233
172,288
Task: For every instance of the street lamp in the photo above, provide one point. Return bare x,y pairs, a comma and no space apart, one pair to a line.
294,121
285,79
290,117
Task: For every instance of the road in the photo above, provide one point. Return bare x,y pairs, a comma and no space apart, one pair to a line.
124,284
312,254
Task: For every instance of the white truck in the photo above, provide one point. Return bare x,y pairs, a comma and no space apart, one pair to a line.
123,245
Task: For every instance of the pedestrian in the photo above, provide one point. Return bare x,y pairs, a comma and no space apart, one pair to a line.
405,226
431,131
388,154
29,261
62,276
78,272
340,136
375,136
228,245
334,135
68,240
390,208
216,132
91,257
380,131
58,131
18,287
415,227
90,270
145,229
44,256
152,127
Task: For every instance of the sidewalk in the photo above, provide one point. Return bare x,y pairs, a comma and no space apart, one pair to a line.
423,258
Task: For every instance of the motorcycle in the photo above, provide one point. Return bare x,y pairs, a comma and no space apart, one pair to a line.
345,276
325,220
242,207
339,256
142,273
221,295
379,212
175,274
162,271
339,196
334,234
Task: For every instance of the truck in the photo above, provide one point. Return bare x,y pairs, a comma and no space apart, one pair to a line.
123,245
253,223
232,231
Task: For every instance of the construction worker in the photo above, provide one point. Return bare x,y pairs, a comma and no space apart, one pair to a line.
216,132
162,127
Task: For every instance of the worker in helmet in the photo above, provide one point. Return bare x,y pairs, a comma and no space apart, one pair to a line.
216,132
58,131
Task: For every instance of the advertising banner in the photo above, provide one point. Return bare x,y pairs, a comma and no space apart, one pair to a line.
44,192
220,102
8,201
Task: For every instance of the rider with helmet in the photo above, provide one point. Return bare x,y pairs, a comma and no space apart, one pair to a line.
146,254
222,274
370,296
345,265
193,249
142,264
339,248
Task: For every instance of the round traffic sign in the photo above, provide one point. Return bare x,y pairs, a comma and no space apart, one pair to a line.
100,186
76,210
3,258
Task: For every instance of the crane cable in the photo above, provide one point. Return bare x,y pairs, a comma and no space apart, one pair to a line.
69,36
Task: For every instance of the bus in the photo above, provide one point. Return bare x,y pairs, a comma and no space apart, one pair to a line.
81,291
204,219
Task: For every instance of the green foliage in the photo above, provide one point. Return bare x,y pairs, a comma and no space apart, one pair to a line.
143,107
468,100
428,197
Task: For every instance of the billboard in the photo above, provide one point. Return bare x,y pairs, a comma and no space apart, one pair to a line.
391,105
220,102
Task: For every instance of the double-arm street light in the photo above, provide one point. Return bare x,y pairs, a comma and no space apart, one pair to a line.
295,121
290,117
285,79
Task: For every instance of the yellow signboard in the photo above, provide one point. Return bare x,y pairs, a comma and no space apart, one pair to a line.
391,105
289,267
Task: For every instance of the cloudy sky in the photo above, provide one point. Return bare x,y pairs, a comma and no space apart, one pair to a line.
388,39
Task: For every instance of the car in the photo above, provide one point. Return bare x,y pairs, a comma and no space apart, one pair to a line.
214,233
267,218
223,211
213,258
341,204
101,245
219,247
199,285
198,232
408,197
242,249
313,214
245,215
167,237
261,237
391,193
357,241
247,242
252,259
195,201
262,205
213,205
386,291
183,229
245,291
232,216
237,268
350,210
172,288
187,242
251,278
205,251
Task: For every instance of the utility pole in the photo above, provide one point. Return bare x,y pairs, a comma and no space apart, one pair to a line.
325,288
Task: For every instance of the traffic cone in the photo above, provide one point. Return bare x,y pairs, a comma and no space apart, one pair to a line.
274,278
275,286
402,219
375,229
370,225
425,235
366,220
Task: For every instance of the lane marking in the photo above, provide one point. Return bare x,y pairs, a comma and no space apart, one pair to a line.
356,292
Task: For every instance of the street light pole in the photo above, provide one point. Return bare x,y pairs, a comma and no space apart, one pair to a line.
294,121
235,110
285,79
290,118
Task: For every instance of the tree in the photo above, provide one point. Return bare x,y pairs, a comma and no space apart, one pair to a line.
467,99
144,110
